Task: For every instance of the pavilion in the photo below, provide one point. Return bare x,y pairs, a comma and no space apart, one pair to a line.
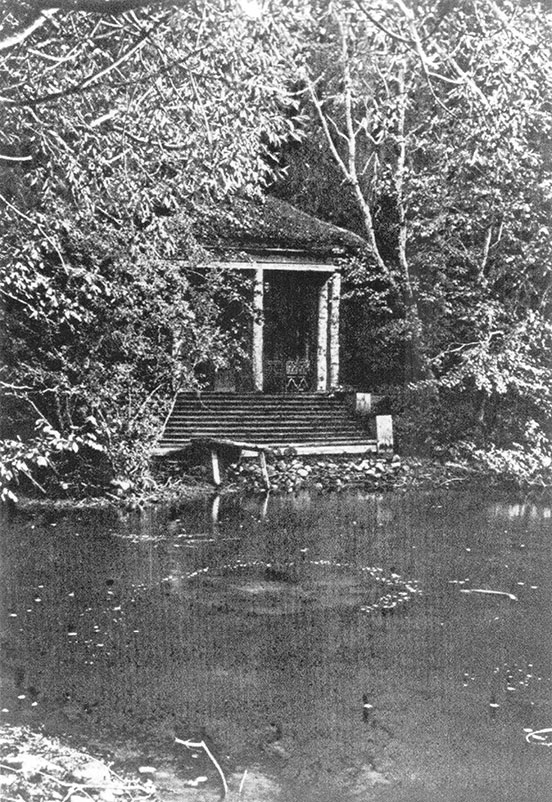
288,395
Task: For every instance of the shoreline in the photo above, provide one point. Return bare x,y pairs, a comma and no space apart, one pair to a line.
47,766
292,474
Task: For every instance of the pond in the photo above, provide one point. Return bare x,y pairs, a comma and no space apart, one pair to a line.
323,647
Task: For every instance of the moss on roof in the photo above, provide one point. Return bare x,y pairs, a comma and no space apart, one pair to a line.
270,223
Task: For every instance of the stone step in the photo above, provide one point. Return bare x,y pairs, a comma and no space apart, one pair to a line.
323,411
259,414
253,398
271,420
265,422
263,433
257,405
262,420
280,444
220,431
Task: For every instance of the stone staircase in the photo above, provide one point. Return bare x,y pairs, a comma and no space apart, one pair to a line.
309,423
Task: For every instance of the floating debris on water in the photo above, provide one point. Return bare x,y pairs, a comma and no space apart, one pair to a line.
399,590
486,592
189,744
540,737
195,783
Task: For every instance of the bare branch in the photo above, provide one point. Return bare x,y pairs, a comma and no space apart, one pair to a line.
500,15
104,118
35,223
351,172
400,173
202,107
16,210
348,168
15,158
380,25
427,68
57,61
20,301
499,235
38,411
485,256
44,16
468,81
324,123
99,6
94,77
338,132
90,79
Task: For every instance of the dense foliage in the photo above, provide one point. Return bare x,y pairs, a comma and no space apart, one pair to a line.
434,120
113,128
422,126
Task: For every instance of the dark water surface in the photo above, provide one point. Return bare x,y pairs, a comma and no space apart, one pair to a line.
323,643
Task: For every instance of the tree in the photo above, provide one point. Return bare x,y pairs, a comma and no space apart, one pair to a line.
432,113
114,128
436,117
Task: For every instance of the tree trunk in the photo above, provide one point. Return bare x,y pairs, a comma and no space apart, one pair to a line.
418,364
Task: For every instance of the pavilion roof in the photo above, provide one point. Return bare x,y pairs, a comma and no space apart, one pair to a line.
271,225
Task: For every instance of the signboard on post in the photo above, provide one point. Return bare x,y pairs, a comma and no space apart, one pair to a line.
363,404
384,432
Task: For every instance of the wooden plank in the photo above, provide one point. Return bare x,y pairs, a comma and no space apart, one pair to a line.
264,471
223,441
215,466
215,509
163,451
302,267
253,449
370,446
360,448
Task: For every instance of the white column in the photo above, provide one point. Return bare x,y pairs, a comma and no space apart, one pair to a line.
258,329
322,347
335,297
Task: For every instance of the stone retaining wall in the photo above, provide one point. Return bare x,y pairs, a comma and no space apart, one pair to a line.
289,473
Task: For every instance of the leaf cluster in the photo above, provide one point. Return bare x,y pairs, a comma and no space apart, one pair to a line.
115,128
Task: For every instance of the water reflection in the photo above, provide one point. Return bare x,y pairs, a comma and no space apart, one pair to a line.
290,636
520,510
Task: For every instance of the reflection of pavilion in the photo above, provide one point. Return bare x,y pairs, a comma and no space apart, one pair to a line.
284,396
